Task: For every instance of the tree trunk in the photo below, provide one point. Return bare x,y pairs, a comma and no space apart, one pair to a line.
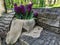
5,6
1,7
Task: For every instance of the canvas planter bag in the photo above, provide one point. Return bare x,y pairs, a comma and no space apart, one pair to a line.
28,24
16,29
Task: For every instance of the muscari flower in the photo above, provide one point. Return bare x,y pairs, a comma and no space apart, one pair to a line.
22,9
29,7
17,9
15,4
35,14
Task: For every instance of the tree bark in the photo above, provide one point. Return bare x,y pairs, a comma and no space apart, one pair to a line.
5,6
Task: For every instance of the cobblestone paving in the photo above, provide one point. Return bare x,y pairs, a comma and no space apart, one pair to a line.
46,38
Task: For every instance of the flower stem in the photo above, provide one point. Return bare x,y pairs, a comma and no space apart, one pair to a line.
26,15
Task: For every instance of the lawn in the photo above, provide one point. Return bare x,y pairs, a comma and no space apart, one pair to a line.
37,3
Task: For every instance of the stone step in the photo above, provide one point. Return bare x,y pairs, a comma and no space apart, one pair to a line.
5,22
2,28
1,24
7,16
7,19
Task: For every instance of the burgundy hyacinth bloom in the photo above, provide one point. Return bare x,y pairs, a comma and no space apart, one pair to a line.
22,9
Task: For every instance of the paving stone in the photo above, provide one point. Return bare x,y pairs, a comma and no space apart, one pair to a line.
59,42
1,24
35,32
52,42
6,22
46,38
38,42
7,19
7,16
1,27
46,43
6,26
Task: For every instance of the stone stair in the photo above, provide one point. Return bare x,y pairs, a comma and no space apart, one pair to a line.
5,22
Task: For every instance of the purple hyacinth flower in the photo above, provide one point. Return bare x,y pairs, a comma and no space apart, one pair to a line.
22,9
35,14
29,7
15,4
17,9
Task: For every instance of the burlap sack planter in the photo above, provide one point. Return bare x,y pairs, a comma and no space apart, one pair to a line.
16,29
28,24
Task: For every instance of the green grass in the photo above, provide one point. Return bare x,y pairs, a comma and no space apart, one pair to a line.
56,5
9,4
